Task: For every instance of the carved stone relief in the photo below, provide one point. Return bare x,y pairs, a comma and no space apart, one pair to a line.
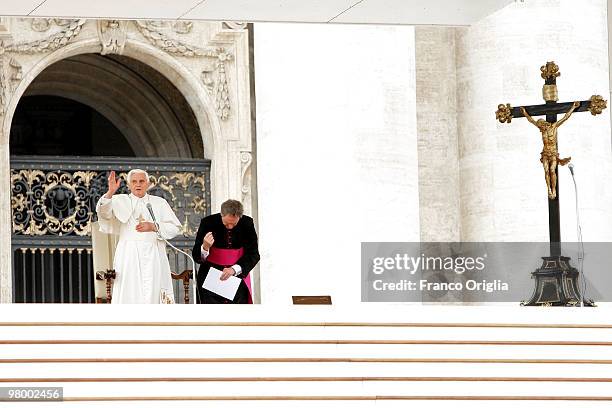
11,71
113,34
182,27
50,43
5,28
15,73
235,25
208,79
218,83
246,159
44,24
4,85
41,24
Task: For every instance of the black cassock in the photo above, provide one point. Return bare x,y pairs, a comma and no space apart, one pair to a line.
239,242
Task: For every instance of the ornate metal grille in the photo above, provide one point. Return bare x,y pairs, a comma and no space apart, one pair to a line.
53,201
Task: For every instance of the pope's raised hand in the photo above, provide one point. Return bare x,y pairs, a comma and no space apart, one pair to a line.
113,184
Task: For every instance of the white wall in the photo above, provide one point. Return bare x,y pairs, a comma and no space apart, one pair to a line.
437,120
337,156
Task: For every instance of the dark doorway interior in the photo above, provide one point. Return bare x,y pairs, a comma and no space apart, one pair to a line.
56,126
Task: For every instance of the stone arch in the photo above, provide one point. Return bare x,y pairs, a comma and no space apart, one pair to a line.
189,86
126,98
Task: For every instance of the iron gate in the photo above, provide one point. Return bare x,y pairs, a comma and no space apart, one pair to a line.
53,203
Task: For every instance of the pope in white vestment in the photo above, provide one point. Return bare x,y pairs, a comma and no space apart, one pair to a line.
141,264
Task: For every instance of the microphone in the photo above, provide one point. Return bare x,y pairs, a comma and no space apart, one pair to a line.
195,285
150,208
571,168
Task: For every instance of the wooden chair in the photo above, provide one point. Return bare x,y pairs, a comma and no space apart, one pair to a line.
109,276
185,276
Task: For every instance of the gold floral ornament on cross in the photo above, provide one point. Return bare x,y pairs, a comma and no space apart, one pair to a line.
598,104
504,113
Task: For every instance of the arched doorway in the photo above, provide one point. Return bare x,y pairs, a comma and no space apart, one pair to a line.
79,118
146,108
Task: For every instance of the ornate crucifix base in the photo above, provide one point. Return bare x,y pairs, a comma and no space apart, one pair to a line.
556,284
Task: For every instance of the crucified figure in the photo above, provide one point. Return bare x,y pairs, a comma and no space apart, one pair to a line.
550,155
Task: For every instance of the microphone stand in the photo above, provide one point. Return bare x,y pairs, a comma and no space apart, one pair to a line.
159,235
579,236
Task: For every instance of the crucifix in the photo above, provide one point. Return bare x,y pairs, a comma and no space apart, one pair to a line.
556,279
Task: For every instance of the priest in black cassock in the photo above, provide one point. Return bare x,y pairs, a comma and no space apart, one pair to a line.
226,241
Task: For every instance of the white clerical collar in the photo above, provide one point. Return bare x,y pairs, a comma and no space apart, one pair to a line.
134,198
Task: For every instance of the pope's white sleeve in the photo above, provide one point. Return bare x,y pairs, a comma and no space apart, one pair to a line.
104,208
107,222
169,225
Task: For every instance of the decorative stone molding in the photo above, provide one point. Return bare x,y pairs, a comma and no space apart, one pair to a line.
208,80
235,25
15,73
182,27
221,91
51,43
157,24
10,74
113,34
62,22
5,28
4,85
151,31
246,159
41,24
11,71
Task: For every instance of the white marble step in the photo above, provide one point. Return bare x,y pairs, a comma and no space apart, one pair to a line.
115,370
506,313
304,351
304,333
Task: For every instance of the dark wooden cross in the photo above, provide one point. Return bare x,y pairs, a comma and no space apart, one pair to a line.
505,114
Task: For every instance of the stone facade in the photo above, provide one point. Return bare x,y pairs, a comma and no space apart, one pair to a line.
437,121
207,62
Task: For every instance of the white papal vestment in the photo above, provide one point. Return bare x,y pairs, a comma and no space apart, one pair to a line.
141,263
